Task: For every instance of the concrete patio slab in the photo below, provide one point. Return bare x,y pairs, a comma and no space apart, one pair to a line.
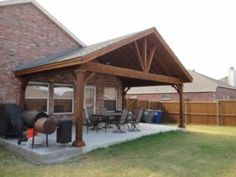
57,153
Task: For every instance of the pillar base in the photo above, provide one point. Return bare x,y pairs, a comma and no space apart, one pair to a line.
181,126
78,143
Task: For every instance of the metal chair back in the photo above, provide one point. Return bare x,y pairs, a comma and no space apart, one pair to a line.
139,116
124,116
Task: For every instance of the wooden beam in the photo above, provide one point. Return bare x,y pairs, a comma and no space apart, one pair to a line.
49,73
128,73
150,58
73,76
145,53
124,93
88,76
139,56
79,98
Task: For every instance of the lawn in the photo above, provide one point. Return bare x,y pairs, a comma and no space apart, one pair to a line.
201,151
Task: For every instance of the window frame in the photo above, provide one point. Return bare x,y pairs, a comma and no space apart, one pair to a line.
108,99
73,99
165,97
95,96
35,84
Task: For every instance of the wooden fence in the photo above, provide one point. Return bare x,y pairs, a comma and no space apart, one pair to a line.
222,112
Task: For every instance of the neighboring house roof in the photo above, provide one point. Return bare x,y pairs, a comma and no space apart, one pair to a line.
200,83
224,80
15,2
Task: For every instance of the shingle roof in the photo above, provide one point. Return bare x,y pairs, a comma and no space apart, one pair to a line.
73,53
200,83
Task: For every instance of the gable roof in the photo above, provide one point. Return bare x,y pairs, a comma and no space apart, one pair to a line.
88,53
53,19
200,83
73,53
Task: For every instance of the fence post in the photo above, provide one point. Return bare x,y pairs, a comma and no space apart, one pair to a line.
160,105
217,113
186,112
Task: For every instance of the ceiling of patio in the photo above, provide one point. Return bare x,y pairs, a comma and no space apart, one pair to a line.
127,57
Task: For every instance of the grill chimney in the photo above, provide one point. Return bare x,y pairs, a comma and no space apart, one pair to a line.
232,76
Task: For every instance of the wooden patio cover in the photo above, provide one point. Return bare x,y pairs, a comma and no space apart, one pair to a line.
138,59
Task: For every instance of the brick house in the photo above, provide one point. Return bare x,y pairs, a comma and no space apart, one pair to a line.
44,67
28,33
202,88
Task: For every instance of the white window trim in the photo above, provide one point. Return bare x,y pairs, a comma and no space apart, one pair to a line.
40,83
95,96
165,97
73,101
114,99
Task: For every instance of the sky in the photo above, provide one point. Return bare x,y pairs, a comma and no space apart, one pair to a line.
202,33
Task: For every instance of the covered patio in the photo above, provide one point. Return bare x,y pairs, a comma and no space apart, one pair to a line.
138,59
56,153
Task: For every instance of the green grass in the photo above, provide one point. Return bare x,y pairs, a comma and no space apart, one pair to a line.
201,151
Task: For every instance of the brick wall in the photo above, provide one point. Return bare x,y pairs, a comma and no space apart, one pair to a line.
26,34
100,81
221,94
225,93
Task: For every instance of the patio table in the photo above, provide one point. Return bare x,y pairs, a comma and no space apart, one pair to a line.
105,117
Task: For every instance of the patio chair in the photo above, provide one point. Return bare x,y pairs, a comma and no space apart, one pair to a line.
135,121
89,119
121,121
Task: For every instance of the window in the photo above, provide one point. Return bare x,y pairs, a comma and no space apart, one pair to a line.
63,98
165,97
90,97
36,96
110,98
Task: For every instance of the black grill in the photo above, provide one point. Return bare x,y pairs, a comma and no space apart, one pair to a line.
11,122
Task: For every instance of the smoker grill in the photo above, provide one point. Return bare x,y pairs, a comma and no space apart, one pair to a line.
40,122
13,122
30,117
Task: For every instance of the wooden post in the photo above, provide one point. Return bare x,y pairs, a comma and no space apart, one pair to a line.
79,85
124,92
179,89
181,112
51,98
23,84
217,113
123,98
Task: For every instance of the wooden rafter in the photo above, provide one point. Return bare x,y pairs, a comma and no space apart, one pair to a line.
128,73
145,60
145,53
150,58
139,56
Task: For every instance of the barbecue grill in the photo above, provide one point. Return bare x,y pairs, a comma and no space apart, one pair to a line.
40,122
